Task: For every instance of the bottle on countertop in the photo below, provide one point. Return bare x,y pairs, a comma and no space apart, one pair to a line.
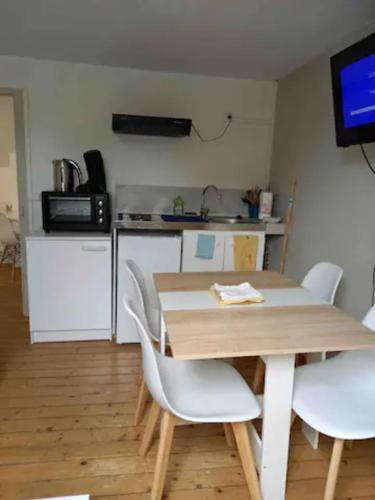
265,204
178,206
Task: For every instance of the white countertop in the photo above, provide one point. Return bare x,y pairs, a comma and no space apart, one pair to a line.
158,224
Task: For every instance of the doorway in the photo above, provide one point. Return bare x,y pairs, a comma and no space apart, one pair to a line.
13,188
9,200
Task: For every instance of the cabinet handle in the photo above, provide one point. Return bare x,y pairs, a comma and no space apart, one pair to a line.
89,248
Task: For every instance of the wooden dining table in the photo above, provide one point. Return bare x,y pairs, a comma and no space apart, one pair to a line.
290,321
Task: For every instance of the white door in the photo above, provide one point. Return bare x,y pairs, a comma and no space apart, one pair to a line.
193,263
229,248
152,254
69,285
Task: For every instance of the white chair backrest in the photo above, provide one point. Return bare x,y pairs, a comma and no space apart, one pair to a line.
152,312
369,319
7,233
322,280
139,281
151,358
136,277
363,355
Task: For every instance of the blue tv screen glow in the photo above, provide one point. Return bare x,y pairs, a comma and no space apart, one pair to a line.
353,84
358,92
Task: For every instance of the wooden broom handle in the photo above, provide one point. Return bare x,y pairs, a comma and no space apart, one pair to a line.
288,221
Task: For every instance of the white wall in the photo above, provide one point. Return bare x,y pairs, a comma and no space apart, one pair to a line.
335,201
8,164
70,108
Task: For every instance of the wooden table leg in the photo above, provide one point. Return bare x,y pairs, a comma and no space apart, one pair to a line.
277,407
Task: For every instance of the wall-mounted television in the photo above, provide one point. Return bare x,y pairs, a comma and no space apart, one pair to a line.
353,82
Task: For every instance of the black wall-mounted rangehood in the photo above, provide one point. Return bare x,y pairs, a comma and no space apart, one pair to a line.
151,125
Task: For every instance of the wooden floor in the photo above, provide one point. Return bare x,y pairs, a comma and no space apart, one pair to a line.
66,415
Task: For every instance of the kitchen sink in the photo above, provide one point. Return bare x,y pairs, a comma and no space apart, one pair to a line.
232,220
214,219
182,218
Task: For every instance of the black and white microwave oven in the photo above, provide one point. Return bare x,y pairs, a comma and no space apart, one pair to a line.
63,211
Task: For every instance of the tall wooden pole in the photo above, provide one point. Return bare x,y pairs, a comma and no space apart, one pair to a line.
288,221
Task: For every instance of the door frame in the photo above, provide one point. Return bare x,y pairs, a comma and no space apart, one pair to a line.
22,139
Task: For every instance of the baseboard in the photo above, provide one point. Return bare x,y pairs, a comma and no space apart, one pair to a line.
69,335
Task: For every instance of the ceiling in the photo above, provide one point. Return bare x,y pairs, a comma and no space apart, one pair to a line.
234,38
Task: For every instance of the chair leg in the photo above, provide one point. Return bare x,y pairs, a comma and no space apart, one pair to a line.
333,471
260,372
301,359
149,431
166,436
141,402
246,455
14,263
229,436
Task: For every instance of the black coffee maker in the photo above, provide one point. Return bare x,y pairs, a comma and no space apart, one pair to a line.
96,182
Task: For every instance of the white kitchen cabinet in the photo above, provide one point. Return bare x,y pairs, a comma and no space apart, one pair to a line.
153,253
69,284
223,255
228,264
192,263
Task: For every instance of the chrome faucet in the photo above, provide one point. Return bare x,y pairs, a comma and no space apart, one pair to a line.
204,209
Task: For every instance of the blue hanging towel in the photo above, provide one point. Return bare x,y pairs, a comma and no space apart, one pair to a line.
205,246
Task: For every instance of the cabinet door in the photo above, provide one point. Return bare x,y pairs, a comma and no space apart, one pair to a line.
229,248
192,263
152,254
69,284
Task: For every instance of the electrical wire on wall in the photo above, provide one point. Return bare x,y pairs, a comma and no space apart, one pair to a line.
366,158
373,287
216,138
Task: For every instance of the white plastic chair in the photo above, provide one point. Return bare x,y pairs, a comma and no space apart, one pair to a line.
205,391
142,298
152,313
323,280
337,398
10,241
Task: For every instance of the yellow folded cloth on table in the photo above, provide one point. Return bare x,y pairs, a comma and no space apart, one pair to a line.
245,251
237,294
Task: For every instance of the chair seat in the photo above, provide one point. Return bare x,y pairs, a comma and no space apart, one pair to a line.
207,391
337,396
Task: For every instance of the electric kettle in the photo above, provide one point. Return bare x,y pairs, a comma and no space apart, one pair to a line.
63,174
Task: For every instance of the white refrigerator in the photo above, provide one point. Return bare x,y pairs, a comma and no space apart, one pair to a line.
152,252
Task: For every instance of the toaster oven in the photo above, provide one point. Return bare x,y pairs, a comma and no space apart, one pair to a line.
63,211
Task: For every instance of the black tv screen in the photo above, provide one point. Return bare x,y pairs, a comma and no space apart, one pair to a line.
353,82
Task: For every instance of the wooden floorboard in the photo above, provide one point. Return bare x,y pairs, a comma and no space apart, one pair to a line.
66,427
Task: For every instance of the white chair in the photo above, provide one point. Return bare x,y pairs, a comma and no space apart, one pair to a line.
153,320
10,241
337,398
323,280
152,312
195,392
